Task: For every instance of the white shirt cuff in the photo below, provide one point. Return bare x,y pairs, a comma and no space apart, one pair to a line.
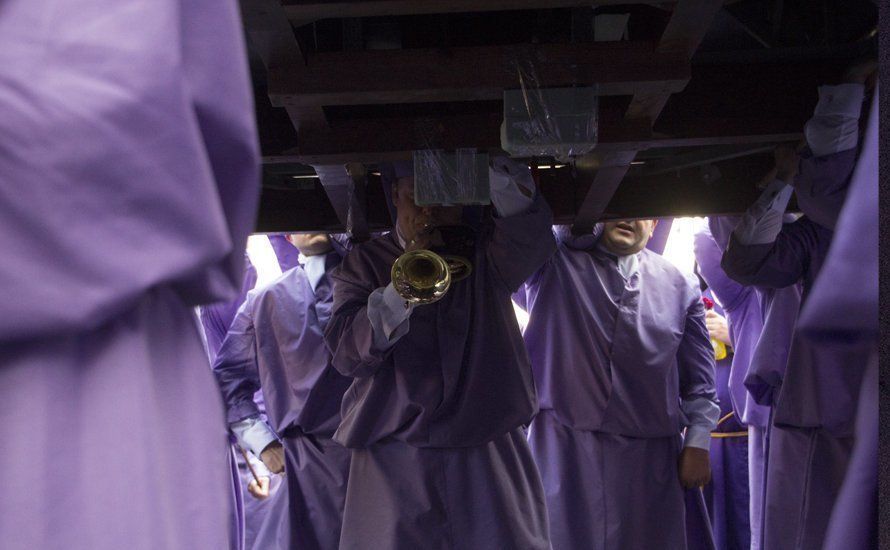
388,313
698,437
701,416
762,222
253,434
507,178
315,268
834,126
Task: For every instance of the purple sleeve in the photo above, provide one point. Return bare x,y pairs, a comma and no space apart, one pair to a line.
522,243
236,369
349,334
729,293
695,357
775,265
821,186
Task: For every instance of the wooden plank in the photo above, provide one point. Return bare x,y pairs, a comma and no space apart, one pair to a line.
397,137
372,141
707,155
475,73
270,35
686,193
314,9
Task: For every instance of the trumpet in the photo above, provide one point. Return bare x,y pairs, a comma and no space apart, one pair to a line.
424,277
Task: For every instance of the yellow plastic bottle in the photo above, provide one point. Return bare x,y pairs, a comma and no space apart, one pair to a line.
719,347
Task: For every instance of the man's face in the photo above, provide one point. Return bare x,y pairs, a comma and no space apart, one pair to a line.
415,219
310,244
627,237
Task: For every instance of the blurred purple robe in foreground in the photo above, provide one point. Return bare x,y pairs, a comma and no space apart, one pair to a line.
612,359
844,306
435,422
215,321
129,167
813,421
277,342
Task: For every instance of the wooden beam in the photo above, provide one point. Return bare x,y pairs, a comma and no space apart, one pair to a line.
685,30
378,140
315,9
686,193
700,157
475,73
372,140
270,35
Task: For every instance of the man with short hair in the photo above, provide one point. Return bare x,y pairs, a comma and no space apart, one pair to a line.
276,343
441,391
622,363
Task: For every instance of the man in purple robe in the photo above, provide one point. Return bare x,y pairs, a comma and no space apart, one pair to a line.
440,393
129,160
732,506
814,412
215,321
276,343
622,363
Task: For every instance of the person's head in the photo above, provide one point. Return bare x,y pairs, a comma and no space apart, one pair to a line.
412,219
627,237
310,244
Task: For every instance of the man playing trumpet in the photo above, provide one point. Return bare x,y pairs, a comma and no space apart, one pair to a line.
441,391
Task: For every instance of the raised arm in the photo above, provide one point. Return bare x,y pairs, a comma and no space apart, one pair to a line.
708,254
522,239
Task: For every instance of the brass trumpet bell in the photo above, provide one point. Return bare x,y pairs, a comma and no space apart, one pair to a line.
421,276
424,276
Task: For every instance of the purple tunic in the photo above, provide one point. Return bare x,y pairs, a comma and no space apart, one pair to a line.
276,342
743,307
435,420
128,154
815,410
216,318
607,437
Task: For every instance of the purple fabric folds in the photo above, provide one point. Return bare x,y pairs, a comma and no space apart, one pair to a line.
607,438
434,422
130,174
843,306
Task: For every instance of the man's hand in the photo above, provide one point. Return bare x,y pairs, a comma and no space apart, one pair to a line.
273,457
261,491
695,467
787,162
425,240
717,327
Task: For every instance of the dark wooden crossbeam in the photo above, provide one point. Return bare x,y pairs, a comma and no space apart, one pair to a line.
271,37
311,10
686,192
476,73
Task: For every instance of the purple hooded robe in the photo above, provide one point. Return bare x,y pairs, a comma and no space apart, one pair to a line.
277,342
129,160
215,321
843,305
612,359
815,409
732,507
435,422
